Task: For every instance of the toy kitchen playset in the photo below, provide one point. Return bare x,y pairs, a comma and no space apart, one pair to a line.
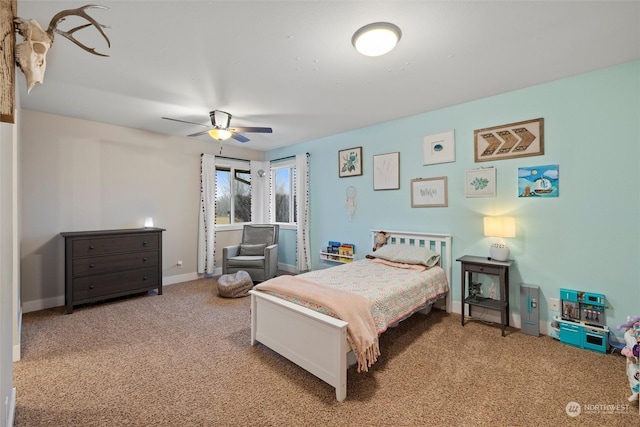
582,320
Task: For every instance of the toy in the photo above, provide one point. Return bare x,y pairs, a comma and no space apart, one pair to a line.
381,239
629,323
633,327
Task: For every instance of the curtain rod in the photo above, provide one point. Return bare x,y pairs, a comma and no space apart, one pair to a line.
225,157
288,157
245,160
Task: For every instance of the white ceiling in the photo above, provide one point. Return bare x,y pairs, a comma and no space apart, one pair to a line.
290,65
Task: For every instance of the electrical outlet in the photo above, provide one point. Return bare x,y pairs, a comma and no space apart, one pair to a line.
179,264
554,304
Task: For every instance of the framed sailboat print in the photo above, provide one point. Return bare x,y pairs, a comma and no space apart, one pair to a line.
538,181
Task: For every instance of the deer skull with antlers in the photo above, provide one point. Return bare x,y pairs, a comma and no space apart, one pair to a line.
31,54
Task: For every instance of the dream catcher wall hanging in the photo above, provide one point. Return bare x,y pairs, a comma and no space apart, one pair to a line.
350,201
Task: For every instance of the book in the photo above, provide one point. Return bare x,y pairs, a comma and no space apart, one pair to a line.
346,252
333,247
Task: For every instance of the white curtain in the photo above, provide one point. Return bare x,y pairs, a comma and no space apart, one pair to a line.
302,195
260,201
206,225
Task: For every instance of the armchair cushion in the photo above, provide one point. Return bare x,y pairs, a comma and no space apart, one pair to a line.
246,262
257,249
260,234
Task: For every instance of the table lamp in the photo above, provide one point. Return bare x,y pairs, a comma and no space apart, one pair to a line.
499,226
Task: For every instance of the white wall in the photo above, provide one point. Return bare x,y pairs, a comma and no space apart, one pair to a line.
80,175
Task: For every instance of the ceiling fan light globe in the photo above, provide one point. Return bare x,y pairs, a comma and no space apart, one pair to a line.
376,39
220,134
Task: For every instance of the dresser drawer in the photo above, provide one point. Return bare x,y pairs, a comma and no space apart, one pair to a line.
112,263
115,244
113,284
482,269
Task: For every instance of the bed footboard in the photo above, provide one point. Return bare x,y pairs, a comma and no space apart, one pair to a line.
288,329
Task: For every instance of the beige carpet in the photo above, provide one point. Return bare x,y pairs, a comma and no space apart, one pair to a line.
184,359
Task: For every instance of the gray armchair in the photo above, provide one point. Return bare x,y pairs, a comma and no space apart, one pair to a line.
257,254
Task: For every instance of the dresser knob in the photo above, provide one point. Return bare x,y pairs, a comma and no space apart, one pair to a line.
144,278
91,286
481,268
91,265
144,243
92,247
144,259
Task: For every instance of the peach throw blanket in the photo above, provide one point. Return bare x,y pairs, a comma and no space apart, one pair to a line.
347,306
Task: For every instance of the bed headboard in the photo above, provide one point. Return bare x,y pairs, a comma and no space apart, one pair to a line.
439,243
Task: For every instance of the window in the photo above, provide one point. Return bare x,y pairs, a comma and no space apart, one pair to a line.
233,195
283,194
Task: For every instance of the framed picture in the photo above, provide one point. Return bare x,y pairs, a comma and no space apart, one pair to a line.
538,181
439,148
519,139
429,192
386,171
480,182
350,162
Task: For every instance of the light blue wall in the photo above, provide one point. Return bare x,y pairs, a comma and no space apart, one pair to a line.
587,239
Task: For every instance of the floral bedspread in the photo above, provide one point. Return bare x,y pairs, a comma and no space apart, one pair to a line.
393,292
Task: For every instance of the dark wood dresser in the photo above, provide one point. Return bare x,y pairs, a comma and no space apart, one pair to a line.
111,263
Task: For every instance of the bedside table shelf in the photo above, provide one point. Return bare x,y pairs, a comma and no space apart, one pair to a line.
490,303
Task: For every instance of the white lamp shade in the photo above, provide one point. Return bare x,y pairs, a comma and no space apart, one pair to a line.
499,226
148,222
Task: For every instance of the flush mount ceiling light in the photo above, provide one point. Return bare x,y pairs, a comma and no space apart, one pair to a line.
376,39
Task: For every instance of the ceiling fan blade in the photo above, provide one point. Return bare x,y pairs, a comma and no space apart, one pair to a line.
251,129
238,137
184,121
199,133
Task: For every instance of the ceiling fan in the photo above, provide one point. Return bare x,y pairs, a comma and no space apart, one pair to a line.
220,129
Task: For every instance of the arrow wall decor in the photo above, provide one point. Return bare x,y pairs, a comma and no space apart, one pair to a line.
519,139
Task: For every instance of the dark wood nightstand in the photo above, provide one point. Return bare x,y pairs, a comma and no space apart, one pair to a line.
475,264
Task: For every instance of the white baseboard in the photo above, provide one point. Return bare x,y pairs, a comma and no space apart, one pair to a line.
45,303
42,304
179,278
493,316
479,313
16,353
288,268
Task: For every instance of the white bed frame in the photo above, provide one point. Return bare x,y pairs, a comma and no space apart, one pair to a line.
286,327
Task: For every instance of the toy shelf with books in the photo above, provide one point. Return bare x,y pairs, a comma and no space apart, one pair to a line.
338,252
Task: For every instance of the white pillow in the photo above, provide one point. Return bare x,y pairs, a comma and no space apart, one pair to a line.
407,254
